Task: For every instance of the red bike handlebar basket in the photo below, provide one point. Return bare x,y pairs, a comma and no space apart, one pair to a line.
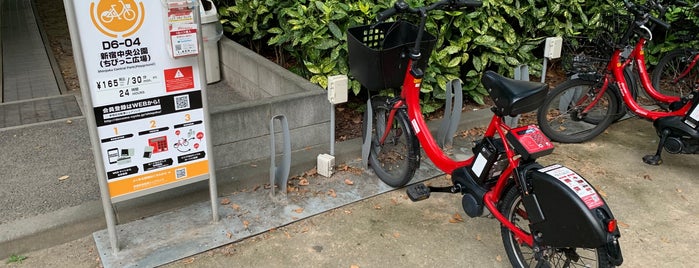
591,51
378,54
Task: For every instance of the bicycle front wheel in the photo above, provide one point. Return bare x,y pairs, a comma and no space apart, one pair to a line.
395,158
668,77
129,15
563,118
523,256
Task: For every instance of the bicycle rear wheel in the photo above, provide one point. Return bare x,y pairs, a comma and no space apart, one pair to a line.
396,158
666,75
523,256
561,116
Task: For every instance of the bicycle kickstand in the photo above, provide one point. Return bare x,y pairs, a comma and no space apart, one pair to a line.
656,159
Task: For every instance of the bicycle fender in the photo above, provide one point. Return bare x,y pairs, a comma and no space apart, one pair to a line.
566,211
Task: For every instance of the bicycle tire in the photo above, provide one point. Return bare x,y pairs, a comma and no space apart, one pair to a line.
129,15
106,17
569,126
520,255
669,67
396,160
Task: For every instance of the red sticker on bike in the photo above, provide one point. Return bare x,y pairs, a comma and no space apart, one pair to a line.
579,185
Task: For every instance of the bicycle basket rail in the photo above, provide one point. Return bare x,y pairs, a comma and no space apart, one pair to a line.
378,54
590,53
582,55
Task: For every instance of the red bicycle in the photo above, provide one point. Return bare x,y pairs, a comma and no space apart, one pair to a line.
580,109
550,216
676,72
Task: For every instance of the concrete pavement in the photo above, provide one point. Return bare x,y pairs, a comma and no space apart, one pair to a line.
656,207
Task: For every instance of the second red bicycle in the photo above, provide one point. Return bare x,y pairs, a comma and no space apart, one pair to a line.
550,216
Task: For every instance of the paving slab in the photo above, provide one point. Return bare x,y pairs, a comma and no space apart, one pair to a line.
37,110
26,67
170,236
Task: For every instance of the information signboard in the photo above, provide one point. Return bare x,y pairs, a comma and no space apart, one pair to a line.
138,64
143,77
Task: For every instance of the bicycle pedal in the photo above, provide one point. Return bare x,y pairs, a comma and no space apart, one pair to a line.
418,192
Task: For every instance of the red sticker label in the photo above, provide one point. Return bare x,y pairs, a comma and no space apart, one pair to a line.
179,79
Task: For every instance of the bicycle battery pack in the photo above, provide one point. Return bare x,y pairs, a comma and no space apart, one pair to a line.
529,142
489,161
566,211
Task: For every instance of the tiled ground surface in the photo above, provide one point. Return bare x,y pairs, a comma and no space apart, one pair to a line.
39,110
30,93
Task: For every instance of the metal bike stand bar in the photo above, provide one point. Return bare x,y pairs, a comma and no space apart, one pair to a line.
452,114
279,175
366,144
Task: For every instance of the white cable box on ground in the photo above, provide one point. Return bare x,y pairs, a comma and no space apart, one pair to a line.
326,164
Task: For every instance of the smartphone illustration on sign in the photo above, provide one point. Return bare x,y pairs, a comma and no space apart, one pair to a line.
113,155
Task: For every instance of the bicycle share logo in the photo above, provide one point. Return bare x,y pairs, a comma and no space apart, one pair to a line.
117,17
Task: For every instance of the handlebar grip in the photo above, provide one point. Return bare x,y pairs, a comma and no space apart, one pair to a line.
469,3
383,15
453,5
681,3
399,6
660,23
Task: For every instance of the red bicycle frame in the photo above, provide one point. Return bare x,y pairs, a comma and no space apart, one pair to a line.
616,66
411,95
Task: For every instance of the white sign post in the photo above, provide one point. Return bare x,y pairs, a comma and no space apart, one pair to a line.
144,92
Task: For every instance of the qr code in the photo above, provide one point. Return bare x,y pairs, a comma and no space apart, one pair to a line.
180,173
181,102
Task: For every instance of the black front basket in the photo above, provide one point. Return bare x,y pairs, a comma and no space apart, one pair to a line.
378,54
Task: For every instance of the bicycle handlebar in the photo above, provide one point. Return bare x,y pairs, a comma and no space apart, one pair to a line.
643,13
681,3
642,16
450,5
459,4
660,23
399,5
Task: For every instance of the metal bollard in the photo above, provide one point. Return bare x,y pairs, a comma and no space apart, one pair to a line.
279,175
452,114
366,144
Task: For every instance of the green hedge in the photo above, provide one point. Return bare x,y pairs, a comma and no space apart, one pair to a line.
498,36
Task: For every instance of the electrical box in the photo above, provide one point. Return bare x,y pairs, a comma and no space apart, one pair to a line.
326,165
337,89
552,48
